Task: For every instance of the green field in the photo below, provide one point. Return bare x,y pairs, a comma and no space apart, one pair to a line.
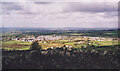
70,41
16,45
21,45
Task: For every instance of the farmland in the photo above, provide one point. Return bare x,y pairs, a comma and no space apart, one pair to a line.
61,49
55,43
68,38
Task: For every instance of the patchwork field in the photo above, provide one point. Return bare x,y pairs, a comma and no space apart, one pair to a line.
74,39
22,45
16,45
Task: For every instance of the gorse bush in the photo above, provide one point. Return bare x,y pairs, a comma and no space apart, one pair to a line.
35,46
61,59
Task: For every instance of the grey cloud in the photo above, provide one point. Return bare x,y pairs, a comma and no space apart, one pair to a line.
69,7
43,2
7,3
7,7
35,15
91,7
11,6
110,14
29,13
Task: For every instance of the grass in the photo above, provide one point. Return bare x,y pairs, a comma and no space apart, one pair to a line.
23,48
111,33
70,43
21,45
48,45
10,34
76,34
16,45
107,43
17,42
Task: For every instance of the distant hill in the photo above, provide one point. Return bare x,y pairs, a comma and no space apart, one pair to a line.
8,29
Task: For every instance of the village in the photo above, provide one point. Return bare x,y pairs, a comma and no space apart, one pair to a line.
58,39
39,38
53,41
61,55
48,37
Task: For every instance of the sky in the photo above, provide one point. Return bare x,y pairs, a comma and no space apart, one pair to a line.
60,14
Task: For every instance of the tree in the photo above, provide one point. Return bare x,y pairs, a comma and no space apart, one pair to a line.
35,46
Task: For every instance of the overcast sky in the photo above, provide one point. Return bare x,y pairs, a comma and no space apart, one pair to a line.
60,14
